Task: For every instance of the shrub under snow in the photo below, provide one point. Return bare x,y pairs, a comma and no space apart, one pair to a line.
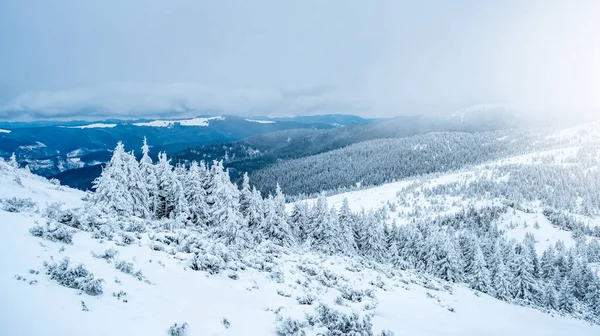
54,232
177,329
15,204
77,277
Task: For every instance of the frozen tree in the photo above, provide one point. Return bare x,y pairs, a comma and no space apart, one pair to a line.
119,188
275,227
195,195
449,265
347,222
524,284
550,297
13,161
299,221
566,300
149,175
480,276
254,214
171,202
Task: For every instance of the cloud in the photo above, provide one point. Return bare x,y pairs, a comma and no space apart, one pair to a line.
134,100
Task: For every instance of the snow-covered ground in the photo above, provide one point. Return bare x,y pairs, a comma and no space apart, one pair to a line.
203,122
261,121
95,125
250,300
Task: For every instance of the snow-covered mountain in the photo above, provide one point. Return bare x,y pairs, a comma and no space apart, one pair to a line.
169,276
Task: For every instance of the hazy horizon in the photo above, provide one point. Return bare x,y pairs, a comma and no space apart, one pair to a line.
99,60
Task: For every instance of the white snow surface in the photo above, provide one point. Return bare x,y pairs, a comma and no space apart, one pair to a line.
4,131
95,125
177,294
202,122
261,121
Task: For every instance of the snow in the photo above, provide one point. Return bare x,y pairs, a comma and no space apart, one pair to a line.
585,133
177,294
545,236
202,122
95,125
261,121
31,147
4,131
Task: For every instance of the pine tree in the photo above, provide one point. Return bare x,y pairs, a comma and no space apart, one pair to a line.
346,222
299,221
501,282
195,195
275,226
136,184
171,202
566,300
112,194
547,263
255,213
480,276
524,284
550,298
13,161
449,266
149,175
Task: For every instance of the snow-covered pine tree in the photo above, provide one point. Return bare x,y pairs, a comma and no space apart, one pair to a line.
149,175
136,184
524,285
547,263
171,202
479,275
550,297
112,194
372,240
13,161
566,300
449,265
501,282
317,215
255,213
347,220
245,195
275,227
195,195
299,221
226,220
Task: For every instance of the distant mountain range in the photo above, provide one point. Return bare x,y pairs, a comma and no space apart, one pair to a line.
52,147
74,152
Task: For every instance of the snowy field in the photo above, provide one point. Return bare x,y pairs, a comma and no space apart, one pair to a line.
240,302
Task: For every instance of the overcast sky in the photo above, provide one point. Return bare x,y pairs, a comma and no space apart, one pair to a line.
74,58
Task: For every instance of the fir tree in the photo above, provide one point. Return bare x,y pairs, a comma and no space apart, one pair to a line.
480,276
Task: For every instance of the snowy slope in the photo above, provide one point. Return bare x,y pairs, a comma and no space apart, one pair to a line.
430,196
250,299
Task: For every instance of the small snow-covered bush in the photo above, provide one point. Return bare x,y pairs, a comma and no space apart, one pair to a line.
15,204
124,266
353,295
53,232
77,277
339,323
291,327
306,299
386,332
177,329
107,255
207,262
